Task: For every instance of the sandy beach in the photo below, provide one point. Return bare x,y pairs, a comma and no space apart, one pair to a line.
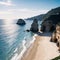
42,49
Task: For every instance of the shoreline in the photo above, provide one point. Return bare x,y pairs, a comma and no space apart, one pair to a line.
41,49
33,47
25,49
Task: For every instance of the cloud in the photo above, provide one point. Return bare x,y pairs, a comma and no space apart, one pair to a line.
5,12
29,10
6,2
20,13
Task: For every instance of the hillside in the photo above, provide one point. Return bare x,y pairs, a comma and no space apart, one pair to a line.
39,17
54,11
54,18
50,20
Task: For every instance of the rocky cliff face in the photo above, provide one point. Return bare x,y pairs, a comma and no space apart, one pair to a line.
56,35
53,17
47,26
34,26
53,37
50,23
54,11
21,22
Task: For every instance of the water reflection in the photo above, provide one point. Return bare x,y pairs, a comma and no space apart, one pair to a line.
11,37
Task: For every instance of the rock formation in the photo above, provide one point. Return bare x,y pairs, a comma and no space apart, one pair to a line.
53,37
54,11
51,16
50,23
21,22
34,26
27,30
56,35
47,26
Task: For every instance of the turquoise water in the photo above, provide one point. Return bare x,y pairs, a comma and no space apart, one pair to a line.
11,38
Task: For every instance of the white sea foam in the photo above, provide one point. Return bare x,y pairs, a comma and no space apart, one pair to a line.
15,50
24,49
18,57
15,56
33,39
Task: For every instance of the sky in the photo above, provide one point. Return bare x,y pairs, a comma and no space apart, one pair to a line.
13,9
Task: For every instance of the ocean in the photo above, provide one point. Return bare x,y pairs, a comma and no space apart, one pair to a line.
14,39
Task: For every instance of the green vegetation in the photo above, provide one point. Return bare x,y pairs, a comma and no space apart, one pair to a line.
57,58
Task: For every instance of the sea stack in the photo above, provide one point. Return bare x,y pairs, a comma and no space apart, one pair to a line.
34,26
21,22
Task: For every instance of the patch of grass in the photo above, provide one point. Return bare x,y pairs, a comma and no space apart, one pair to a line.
56,58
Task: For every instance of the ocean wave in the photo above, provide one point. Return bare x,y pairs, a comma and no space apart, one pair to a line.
33,39
18,57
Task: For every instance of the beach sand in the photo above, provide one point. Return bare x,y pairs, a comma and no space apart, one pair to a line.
42,49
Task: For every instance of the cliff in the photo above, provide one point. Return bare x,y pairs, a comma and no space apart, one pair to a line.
50,20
